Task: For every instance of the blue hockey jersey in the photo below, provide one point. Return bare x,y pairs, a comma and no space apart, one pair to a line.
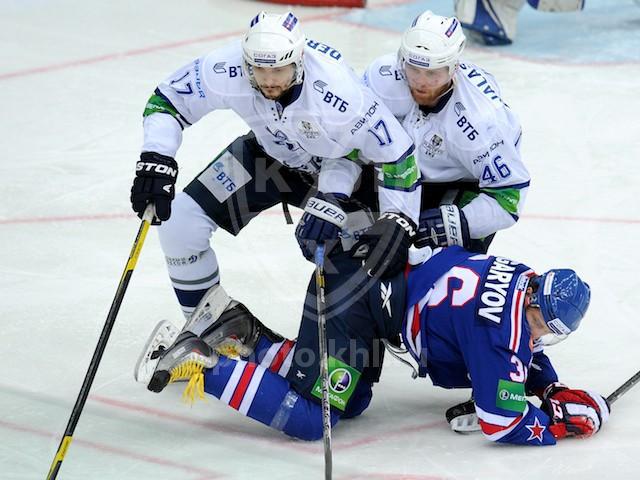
466,327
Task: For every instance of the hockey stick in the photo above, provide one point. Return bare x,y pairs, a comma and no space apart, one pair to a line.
324,361
624,388
102,343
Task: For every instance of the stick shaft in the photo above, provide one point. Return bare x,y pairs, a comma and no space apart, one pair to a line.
324,362
100,347
624,388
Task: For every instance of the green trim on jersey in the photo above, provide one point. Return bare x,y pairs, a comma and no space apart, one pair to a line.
507,198
353,155
157,104
466,198
401,175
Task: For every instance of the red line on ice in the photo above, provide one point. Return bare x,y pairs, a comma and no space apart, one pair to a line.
277,212
143,51
122,452
67,218
387,434
168,46
393,476
270,441
208,425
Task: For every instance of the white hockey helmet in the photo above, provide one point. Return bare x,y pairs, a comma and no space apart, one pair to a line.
432,42
273,41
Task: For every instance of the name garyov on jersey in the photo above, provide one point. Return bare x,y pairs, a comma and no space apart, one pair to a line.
467,328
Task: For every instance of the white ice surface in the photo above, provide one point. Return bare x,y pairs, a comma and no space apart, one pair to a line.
74,78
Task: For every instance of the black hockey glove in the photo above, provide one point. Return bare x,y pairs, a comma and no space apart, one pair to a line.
385,246
442,227
321,222
155,182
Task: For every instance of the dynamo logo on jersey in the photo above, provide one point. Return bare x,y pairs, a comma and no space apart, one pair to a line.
290,22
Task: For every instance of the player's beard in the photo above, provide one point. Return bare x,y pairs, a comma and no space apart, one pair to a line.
273,93
429,97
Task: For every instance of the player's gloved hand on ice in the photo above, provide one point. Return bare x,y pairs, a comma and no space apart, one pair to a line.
321,222
385,246
574,413
442,227
155,182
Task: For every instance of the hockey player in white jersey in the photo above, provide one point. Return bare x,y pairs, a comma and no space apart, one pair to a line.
309,117
467,138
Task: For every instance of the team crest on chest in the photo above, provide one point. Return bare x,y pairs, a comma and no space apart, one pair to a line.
433,146
308,129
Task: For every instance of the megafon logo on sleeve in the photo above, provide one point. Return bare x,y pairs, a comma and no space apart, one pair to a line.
510,396
342,383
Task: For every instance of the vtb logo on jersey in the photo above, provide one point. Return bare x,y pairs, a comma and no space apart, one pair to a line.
433,146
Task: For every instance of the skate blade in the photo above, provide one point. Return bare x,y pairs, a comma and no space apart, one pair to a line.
465,423
164,335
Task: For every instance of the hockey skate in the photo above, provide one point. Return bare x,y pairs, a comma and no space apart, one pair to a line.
185,360
227,326
162,336
463,417
236,332
165,333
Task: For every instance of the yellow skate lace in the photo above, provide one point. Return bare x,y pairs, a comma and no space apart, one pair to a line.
191,370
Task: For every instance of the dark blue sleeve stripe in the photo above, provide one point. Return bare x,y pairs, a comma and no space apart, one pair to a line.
517,186
411,189
404,156
163,96
190,298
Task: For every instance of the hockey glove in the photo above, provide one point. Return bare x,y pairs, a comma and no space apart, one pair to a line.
385,246
155,182
574,413
321,222
442,227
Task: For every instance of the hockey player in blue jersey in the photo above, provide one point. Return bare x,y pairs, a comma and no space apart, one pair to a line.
494,22
467,319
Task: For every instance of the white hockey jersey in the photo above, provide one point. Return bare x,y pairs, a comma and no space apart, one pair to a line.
332,116
474,137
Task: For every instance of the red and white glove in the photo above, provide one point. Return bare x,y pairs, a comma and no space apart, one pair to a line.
574,413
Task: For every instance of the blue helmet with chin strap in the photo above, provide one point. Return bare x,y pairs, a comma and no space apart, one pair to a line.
563,299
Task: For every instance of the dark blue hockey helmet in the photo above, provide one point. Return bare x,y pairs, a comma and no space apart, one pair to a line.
563,299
